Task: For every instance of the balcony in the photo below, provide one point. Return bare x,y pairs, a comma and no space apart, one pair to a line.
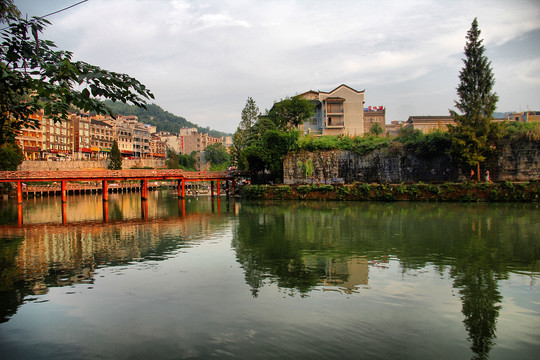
335,122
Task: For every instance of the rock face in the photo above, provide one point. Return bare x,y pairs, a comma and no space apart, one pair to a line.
517,161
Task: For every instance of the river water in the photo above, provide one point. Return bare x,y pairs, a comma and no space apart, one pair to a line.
209,278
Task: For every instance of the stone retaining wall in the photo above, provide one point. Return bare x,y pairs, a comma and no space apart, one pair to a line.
517,161
80,165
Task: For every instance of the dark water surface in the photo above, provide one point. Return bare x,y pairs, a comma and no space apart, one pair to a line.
202,278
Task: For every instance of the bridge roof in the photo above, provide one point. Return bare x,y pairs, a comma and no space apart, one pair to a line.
131,174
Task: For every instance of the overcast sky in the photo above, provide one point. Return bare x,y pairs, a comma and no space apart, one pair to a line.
203,59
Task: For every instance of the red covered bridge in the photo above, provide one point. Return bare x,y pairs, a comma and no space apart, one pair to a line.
182,176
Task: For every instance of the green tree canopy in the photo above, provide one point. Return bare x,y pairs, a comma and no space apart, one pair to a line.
34,75
291,112
218,155
115,158
376,129
11,156
250,115
475,133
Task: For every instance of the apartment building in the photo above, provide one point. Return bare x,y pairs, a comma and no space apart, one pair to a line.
338,112
81,136
374,115
101,138
30,139
158,148
57,138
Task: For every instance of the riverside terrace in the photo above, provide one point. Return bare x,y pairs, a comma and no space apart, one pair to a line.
182,176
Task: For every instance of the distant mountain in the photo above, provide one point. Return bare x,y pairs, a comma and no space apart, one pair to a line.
161,119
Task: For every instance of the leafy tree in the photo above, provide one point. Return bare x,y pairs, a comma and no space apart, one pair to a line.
250,115
173,161
188,162
276,145
291,112
475,133
34,75
115,159
218,155
11,156
376,129
181,161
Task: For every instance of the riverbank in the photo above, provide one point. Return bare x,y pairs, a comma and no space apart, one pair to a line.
450,192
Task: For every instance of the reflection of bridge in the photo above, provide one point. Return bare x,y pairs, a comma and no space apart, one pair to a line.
104,176
182,176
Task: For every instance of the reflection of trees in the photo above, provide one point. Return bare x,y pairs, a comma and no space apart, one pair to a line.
480,243
10,296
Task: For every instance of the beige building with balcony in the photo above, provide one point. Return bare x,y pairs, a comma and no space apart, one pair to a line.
31,140
338,112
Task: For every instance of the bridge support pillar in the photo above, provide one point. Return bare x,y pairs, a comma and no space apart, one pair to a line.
218,184
19,192
105,190
63,191
106,211
181,188
144,189
144,209
211,188
233,185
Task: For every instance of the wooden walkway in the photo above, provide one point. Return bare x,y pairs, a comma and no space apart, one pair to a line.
24,178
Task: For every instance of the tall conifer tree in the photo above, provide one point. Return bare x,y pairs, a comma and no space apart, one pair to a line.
475,133
115,160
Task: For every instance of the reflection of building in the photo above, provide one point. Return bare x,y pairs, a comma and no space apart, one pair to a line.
345,274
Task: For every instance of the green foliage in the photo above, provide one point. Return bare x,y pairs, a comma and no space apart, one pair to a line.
291,112
303,189
244,132
359,145
474,136
11,156
425,145
35,76
115,157
181,161
218,155
518,131
255,191
306,167
275,145
376,129
281,191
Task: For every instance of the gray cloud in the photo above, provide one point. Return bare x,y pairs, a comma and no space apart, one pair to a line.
202,59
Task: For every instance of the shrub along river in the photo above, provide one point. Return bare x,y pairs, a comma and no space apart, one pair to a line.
202,277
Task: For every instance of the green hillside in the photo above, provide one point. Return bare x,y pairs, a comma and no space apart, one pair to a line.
163,120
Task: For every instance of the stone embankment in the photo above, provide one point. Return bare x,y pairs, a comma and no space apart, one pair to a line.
445,192
88,165
516,161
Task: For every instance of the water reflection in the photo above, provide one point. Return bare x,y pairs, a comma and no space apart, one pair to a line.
305,246
48,254
302,249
